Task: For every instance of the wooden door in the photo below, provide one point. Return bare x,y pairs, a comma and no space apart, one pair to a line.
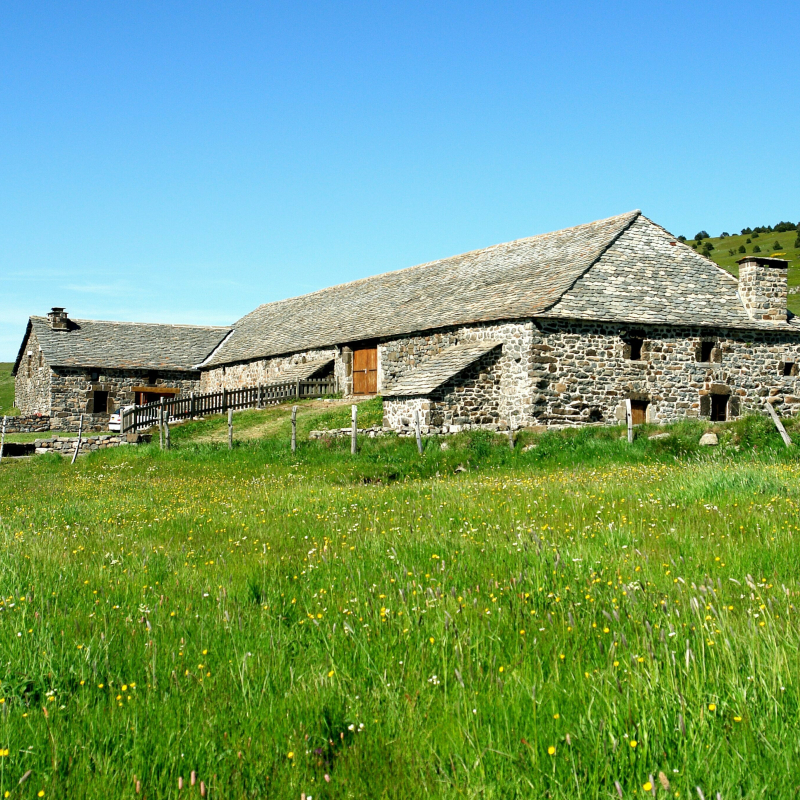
639,411
365,370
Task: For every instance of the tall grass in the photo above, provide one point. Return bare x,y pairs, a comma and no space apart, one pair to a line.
574,620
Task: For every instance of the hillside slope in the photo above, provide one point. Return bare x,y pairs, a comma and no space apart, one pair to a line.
722,255
6,389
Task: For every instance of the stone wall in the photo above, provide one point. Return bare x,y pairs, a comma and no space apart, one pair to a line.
66,447
562,373
34,423
72,393
32,381
256,373
584,376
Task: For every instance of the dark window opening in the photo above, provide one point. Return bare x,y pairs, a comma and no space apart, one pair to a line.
639,411
95,376
789,368
595,415
635,349
719,407
99,402
152,377
706,349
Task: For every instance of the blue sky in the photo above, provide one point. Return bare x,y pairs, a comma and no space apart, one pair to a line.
187,162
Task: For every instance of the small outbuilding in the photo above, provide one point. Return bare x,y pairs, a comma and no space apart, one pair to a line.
68,367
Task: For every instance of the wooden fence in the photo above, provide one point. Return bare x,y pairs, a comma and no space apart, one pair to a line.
204,405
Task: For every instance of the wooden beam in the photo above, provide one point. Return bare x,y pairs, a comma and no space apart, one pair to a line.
779,425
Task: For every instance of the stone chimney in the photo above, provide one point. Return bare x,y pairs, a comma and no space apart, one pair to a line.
763,287
59,320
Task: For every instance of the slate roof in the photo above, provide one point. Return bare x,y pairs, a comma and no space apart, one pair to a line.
124,345
433,373
507,281
301,372
646,276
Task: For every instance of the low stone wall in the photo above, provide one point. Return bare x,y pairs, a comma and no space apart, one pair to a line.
34,423
66,447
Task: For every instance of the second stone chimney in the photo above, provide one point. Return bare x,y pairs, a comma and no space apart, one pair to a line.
763,287
58,319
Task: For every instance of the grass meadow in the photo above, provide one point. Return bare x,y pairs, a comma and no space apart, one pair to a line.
6,389
579,619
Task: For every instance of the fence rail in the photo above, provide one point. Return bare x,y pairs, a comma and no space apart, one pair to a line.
203,405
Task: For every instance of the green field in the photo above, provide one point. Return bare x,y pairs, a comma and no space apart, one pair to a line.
6,389
766,241
476,622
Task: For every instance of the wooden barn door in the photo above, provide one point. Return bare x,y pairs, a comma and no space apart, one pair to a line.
639,411
365,370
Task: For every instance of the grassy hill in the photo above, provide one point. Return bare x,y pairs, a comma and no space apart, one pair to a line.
6,389
721,254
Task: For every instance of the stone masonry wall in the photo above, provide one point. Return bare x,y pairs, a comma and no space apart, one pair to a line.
34,423
561,373
72,393
32,382
583,374
256,373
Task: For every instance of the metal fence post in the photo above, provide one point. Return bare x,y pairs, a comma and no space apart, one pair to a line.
354,430
294,429
230,429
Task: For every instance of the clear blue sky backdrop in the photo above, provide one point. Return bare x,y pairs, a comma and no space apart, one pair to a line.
187,162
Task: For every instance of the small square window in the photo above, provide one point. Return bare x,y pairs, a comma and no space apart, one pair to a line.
706,349
789,368
152,377
95,376
634,349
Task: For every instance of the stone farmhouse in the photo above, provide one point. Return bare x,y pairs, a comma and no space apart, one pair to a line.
68,367
557,329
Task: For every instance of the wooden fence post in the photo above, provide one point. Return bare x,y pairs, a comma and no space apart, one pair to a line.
78,443
294,429
161,423
354,430
191,405
779,425
510,438
166,432
224,400
418,432
259,395
297,389
3,438
230,429
629,415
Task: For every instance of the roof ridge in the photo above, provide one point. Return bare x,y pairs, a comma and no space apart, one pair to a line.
39,318
632,214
